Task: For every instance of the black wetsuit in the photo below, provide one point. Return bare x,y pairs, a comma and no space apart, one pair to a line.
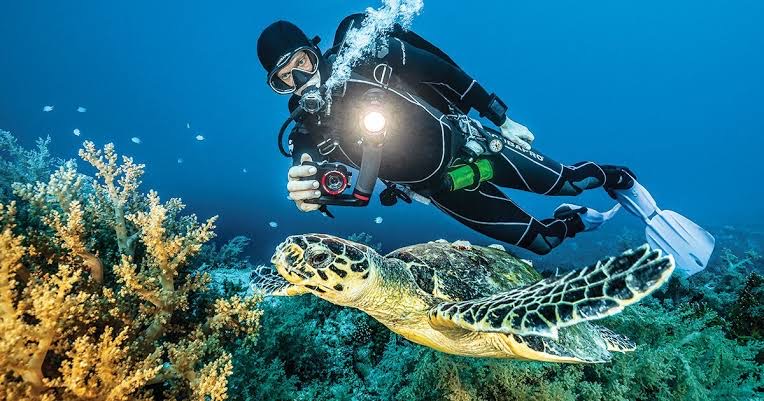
421,83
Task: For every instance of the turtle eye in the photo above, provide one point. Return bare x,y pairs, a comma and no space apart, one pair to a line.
319,260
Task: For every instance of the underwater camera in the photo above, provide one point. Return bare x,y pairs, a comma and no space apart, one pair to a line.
333,179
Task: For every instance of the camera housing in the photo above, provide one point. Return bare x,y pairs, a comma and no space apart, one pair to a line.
333,179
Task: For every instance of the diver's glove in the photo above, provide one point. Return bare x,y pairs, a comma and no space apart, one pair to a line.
517,134
299,189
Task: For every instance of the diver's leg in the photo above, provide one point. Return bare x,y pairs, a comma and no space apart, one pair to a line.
532,171
489,211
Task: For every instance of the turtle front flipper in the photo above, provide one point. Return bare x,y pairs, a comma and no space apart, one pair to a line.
541,308
267,281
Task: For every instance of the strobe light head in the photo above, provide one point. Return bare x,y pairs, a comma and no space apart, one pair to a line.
374,122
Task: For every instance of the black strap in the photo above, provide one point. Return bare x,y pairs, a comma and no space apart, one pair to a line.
476,175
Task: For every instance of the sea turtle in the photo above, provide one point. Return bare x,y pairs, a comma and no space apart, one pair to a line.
471,300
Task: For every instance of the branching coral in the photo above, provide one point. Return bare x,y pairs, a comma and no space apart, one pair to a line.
117,336
18,164
208,383
747,313
57,201
103,369
229,256
235,315
119,186
166,253
34,314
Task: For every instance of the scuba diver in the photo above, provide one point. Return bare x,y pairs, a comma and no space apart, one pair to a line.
432,151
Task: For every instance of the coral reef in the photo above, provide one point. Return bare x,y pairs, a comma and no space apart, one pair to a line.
108,293
228,256
100,296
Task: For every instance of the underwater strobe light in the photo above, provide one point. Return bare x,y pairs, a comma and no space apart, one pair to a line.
374,122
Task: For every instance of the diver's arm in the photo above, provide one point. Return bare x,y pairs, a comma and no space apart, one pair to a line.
417,66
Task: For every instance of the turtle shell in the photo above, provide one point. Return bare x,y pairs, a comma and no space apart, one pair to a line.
457,273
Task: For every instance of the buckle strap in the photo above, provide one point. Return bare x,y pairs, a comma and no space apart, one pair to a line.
327,145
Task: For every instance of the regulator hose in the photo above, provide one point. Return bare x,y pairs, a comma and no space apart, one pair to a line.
292,117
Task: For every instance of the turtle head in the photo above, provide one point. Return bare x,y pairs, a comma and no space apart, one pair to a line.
332,268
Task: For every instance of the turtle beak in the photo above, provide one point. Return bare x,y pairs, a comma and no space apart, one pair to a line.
286,260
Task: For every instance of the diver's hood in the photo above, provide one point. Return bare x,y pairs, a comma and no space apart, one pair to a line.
276,45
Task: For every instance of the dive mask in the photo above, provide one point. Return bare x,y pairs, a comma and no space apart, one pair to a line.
301,78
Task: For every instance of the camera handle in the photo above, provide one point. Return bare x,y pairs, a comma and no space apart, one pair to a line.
369,172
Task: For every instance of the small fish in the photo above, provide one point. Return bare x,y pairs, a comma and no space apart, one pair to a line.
136,140
81,109
188,125
378,220
273,224
76,132
244,170
180,160
47,109
200,137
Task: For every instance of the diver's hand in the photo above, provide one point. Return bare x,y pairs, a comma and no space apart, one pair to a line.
300,190
517,134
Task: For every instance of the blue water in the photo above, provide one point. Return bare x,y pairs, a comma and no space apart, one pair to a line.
674,90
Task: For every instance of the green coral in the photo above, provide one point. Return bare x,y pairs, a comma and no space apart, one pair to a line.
227,256
747,311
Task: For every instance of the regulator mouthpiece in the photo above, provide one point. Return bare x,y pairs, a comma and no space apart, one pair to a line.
312,100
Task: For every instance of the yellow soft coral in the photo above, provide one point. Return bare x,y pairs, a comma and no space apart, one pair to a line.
120,183
236,314
64,338
166,253
103,369
69,232
58,202
34,315
63,187
210,382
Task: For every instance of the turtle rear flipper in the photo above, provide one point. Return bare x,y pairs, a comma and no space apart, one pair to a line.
541,308
265,280
616,342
